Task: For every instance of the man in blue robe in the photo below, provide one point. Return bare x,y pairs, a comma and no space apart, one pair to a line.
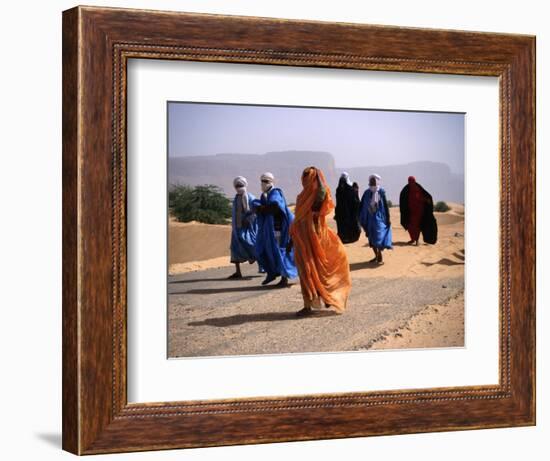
243,228
274,219
375,218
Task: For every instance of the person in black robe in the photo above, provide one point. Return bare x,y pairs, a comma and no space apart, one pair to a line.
347,210
417,216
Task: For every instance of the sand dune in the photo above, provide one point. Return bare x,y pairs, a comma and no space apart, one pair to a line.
195,246
194,241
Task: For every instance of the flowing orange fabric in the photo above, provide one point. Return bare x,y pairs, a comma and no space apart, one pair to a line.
319,254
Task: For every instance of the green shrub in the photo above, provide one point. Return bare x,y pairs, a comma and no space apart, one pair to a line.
207,204
442,207
390,203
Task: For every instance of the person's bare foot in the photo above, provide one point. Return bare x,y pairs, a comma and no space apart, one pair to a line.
410,242
306,311
235,276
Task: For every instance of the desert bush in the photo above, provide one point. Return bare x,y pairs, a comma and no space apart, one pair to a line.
442,207
207,204
390,203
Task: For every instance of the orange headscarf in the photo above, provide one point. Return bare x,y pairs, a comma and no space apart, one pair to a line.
319,254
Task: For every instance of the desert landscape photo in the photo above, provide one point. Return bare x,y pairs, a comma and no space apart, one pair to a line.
414,299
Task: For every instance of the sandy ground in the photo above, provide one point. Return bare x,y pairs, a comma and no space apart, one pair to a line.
196,246
182,250
425,284
434,326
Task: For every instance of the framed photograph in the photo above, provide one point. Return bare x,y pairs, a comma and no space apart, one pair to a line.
281,230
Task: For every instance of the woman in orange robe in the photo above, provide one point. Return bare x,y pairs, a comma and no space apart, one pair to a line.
320,256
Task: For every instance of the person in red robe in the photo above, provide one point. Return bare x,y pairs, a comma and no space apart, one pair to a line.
416,207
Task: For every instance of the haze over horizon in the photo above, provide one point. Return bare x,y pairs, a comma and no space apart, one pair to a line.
354,137
287,167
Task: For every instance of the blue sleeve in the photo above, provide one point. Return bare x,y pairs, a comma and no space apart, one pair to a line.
254,203
277,198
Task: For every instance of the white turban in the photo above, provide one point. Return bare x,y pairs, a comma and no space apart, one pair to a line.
267,181
240,183
375,176
345,175
267,177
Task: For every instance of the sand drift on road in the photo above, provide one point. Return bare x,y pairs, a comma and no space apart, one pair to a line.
414,300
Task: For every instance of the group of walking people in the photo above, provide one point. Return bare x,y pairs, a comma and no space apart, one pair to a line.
287,245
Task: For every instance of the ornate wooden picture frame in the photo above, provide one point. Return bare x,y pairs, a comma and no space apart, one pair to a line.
97,44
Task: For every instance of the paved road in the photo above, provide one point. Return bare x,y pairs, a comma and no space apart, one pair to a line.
211,316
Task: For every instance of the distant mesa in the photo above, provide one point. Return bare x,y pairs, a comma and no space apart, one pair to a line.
287,166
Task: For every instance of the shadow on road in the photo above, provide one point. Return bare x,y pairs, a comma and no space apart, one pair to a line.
240,289
240,319
363,265
217,279
444,262
403,244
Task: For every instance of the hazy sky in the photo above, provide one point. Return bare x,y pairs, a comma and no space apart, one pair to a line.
353,137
